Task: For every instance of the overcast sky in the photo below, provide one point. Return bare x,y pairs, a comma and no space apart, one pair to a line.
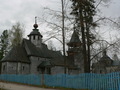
24,11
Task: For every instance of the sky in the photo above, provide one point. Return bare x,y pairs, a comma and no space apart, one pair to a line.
111,10
24,11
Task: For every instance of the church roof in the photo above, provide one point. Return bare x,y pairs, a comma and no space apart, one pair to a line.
57,58
105,60
74,39
35,32
45,64
16,54
105,57
32,50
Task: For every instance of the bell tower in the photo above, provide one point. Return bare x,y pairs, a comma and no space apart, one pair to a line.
75,51
74,44
35,36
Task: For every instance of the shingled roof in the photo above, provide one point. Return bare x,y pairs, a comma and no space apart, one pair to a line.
45,64
16,54
74,39
32,50
105,60
57,58
105,57
35,32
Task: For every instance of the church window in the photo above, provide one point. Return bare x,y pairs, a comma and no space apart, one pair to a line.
34,37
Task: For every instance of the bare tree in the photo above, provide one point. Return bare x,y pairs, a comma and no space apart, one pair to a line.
54,23
51,45
53,20
59,27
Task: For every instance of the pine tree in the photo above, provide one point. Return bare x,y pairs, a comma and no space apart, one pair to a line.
4,42
84,10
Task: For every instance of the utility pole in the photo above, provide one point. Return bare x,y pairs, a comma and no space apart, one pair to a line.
63,35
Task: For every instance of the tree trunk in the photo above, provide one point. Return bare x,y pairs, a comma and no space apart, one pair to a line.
83,40
88,48
63,35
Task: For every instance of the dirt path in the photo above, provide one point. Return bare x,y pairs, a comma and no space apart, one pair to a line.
11,86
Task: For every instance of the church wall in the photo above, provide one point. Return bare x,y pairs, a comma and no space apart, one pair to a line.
4,68
15,68
37,42
113,69
35,61
57,70
19,68
23,68
11,68
99,68
79,62
73,72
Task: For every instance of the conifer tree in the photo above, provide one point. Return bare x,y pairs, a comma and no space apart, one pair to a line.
4,42
84,10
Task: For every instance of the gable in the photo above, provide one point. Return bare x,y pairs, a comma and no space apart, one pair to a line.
16,54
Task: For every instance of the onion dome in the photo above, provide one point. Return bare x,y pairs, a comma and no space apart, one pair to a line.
35,30
35,26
